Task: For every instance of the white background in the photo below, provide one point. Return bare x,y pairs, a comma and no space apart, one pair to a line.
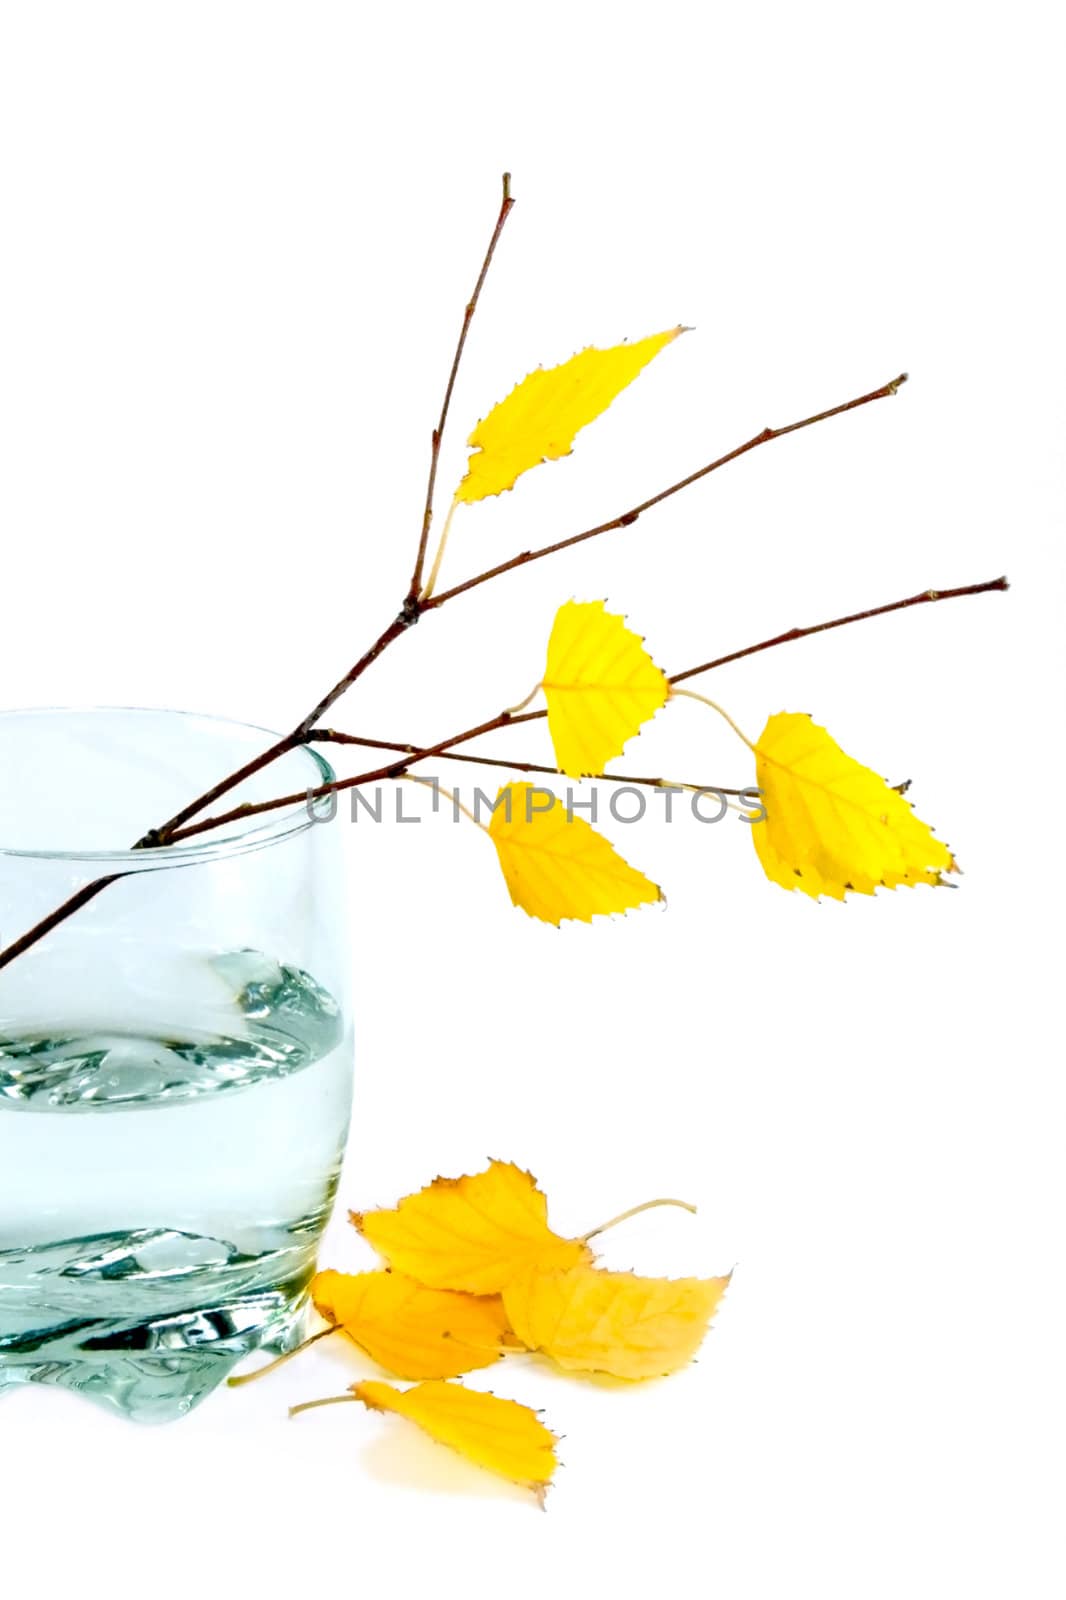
237,242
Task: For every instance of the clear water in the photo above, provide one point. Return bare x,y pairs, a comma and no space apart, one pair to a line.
163,1188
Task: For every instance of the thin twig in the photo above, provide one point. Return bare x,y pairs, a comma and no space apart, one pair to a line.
397,626
443,746
89,891
409,612
81,898
395,769
926,597
413,606
169,830
438,432
331,736
627,518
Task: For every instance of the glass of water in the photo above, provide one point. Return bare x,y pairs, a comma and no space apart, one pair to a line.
175,1057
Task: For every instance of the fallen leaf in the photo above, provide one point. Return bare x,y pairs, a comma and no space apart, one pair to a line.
831,824
589,1320
472,1233
600,684
555,866
410,1330
502,1435
539,418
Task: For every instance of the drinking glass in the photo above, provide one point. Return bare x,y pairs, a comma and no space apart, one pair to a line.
175,1056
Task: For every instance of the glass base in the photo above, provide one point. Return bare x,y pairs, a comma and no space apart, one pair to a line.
156,1370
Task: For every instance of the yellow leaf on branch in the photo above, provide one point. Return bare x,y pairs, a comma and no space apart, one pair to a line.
589,1320
831,824
472,1233
410,1330
600,684
555,866
499,1434
539,418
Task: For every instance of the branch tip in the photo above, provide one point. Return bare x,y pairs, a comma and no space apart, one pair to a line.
415,588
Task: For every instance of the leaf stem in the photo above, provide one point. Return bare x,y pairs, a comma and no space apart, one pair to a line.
429,783
512,711
506,205
634,1211
313,1405
434,571
331,736
272,1366
690,694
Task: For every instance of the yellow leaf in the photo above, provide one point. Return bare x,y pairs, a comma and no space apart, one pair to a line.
833,825
472,1233
589,1320
600,684
501,1435
557,867
538,420
410,1330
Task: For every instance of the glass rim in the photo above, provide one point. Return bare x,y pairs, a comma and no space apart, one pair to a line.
266,828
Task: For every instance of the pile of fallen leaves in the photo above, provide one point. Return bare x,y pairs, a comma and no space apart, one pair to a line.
473,1273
